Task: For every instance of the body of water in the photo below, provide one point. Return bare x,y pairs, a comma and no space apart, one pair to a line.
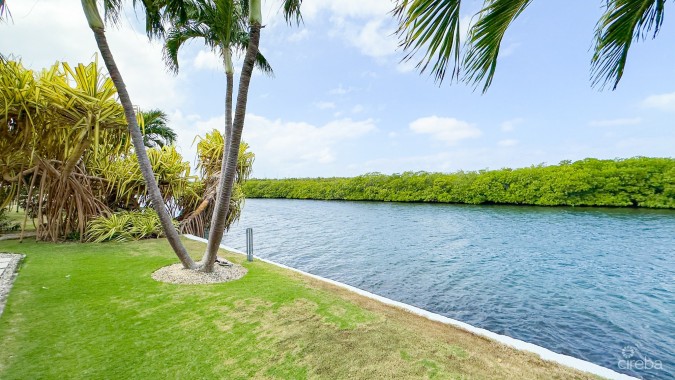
596,284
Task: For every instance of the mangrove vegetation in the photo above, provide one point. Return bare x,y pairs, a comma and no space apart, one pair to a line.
632,182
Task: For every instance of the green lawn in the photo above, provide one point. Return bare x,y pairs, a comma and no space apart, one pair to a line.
92,311
14,216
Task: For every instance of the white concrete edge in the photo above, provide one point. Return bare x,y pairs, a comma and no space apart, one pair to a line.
544,353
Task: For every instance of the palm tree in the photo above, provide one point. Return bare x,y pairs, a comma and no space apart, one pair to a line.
431,27
112,9
221,24
155,131
155,12
233,138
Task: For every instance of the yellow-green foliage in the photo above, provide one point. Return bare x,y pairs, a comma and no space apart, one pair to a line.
53,124
197,213
125,181
54,111
210,152
125,226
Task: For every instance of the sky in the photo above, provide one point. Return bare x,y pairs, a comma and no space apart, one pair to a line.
341,102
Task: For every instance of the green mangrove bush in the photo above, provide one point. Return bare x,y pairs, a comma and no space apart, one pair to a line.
632,182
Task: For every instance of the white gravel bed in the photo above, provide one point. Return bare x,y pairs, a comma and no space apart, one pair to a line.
176,274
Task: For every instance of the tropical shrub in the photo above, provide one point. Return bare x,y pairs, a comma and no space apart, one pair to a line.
197,212
54,122
7,225
125,226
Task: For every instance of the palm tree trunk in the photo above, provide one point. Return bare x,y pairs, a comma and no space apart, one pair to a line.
96,24
229,74
224,193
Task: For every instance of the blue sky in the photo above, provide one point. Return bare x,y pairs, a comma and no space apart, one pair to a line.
342,104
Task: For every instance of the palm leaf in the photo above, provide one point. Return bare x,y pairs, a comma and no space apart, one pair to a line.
623,22
431,26
5,14
486,36
292,11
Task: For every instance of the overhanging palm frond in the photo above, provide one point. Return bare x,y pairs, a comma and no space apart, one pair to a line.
240,41
178,36
622,22
221,24
486,36
5,14
112,10
431,26
263,65
292,11
153,17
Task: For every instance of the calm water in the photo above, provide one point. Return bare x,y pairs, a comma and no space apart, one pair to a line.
597,284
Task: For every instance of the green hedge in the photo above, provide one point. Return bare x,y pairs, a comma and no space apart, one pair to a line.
632,182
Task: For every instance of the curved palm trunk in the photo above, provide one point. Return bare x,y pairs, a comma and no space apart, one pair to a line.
96,25
230,162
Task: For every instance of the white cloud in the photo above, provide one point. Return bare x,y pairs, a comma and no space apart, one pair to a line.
508,142
298,36
347,8
509,49
280,145
615,122
358,108
364,25
340,90
510,125
325,105
375,39
206,59
406,66
447,130
664,102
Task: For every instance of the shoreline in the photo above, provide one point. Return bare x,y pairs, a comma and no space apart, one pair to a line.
542,352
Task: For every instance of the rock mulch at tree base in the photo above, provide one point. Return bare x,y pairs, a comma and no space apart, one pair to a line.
176,274
9,262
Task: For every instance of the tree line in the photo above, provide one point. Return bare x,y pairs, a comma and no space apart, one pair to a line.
633,182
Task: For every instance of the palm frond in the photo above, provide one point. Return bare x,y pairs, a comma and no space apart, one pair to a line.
430,27
623,22
178,11
5,14
156,132
292,12
222,24
486,36
112,10
179,35
263,65
154,27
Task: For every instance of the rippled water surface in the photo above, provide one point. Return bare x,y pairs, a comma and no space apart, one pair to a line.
597,284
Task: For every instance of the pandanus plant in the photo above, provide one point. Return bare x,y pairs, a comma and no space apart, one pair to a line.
54,123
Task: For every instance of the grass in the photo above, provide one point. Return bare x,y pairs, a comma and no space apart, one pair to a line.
14,216
92,311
